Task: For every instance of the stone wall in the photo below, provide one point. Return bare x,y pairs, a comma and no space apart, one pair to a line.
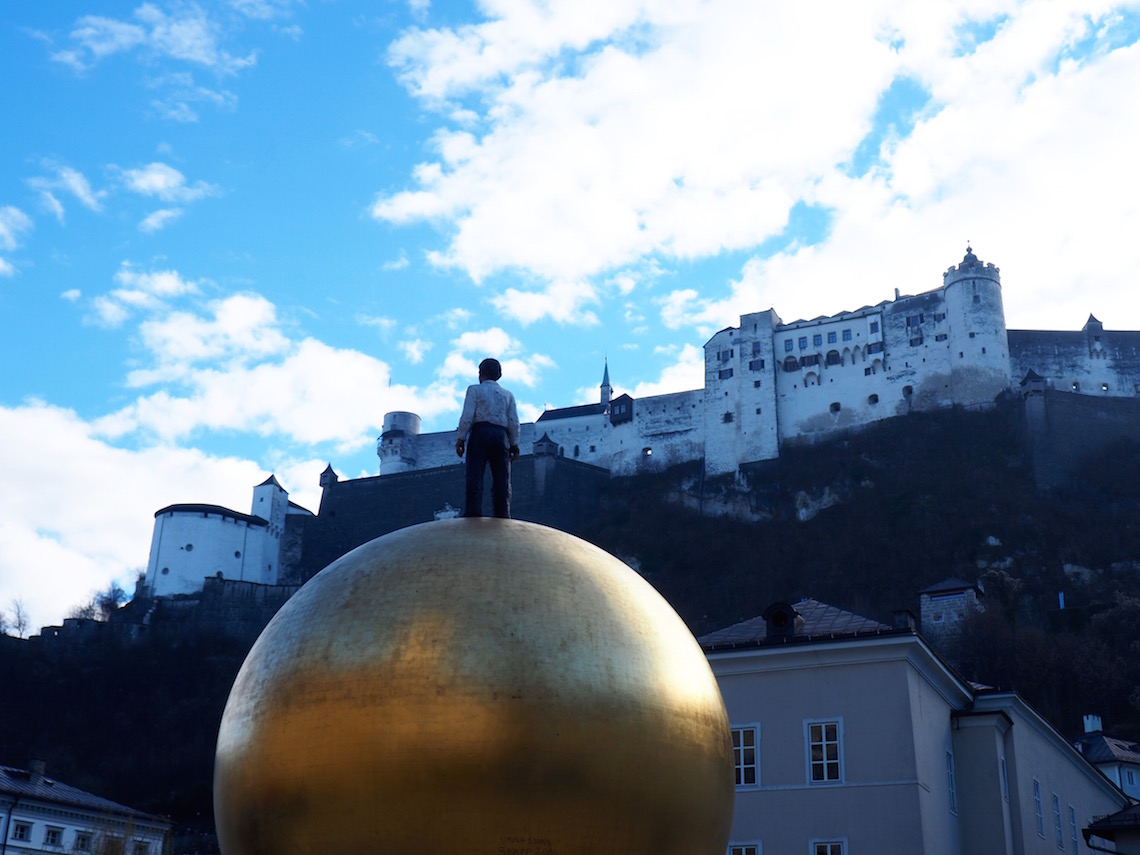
1063,428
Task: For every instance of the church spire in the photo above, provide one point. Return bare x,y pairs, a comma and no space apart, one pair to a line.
606,388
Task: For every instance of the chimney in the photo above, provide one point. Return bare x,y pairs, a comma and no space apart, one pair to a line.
904,619
37,769
1092,723
782,621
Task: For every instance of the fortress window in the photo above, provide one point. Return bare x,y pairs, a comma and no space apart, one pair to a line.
790,364
810,359
914,320
847,335
755,384
972,335
874,327
835,408
189,547
817,339
875,347
908,391
757,411
237,554
939,316
756,365
757,349
726,418
915,342
725,373
592,449
872,399
788,346
803,342
866,372
940,337
833,358
831,337
724,355
977,298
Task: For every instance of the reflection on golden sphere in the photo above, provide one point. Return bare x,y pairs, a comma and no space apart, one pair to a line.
475,686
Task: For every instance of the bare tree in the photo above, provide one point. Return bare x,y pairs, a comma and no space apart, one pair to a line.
107,602
19,618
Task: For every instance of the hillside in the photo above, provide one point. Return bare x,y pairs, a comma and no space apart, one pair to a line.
863,523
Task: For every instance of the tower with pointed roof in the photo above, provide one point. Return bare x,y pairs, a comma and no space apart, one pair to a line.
607,390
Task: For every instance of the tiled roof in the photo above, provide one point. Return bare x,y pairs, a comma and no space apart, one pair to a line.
1099,748
820,621
20,782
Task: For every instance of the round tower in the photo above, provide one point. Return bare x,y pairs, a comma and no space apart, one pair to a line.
979,347
396,446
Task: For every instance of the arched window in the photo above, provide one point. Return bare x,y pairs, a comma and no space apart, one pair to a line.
790,364
833,358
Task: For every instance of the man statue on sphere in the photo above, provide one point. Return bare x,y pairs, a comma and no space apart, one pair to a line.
489,433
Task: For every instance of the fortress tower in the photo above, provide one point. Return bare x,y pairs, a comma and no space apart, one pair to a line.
979,346
396,446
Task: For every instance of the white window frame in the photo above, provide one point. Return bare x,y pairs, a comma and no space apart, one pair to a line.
1058,828
740,767
952,782
83,841
745,847
55,830
1073,830
809,723
21,831
1038,810
831,843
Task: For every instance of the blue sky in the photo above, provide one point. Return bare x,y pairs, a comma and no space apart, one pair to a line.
234,234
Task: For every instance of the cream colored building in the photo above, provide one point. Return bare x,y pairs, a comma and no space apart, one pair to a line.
853,737
42,816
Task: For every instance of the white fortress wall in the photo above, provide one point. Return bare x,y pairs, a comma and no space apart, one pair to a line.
665,430
193,542
832,373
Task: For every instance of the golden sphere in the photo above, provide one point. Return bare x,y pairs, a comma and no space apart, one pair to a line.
475,686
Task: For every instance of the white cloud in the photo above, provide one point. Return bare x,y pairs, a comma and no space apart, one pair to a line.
491,342
13,224
71,295
560,301
415,349
140,291
188,35
611,134
384,324
84,515
159,220
685,373
166,183
66,180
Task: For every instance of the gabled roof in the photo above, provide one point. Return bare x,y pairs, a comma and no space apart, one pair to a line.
1099,748
820,621
572,412
21,783
271,481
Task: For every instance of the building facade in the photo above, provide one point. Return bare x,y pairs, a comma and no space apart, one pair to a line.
42,816
193,541
851,736
769,383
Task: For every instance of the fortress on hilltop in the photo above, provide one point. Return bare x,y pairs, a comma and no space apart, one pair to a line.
769,384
